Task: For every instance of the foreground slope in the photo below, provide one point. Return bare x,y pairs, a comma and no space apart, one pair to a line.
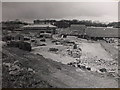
35,71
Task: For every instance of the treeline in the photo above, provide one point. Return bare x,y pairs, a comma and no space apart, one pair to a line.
115,24
16,24
12,25
68,23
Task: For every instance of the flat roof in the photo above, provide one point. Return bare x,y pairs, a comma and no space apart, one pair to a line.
39,25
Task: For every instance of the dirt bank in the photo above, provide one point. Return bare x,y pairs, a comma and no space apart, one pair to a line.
110,49
50,74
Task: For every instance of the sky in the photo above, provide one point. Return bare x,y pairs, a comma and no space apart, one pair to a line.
0,11
28,11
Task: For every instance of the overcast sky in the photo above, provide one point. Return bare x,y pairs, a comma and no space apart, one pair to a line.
28,11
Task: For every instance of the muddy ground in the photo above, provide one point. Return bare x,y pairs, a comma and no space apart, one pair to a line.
42,68
95,54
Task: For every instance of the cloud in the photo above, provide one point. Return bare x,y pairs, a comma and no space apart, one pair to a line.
57,10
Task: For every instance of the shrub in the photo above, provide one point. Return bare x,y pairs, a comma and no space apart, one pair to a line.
88,68
13,44
43,45
26,39
53,49
82,67
7,38
54,41
43,40
21,45
103,70
25,46
33,40
64,36
75,46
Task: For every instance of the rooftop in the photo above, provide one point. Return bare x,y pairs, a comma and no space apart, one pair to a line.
39,25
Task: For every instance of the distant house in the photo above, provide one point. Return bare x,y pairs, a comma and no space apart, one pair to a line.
17,37
39,28
45,35
101,32
18,30
41,21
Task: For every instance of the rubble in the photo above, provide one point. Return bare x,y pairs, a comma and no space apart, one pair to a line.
15,62
7,64
31,70
85,67
14,72
58,43
14,68
20,77
75,53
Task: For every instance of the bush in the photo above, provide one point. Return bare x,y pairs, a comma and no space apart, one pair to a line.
75,46
25,46
68,42
88,68
33,40
53,49
21,45
43,45
54,41
26,39
43,40
13,44
103,70
64,36
7,38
